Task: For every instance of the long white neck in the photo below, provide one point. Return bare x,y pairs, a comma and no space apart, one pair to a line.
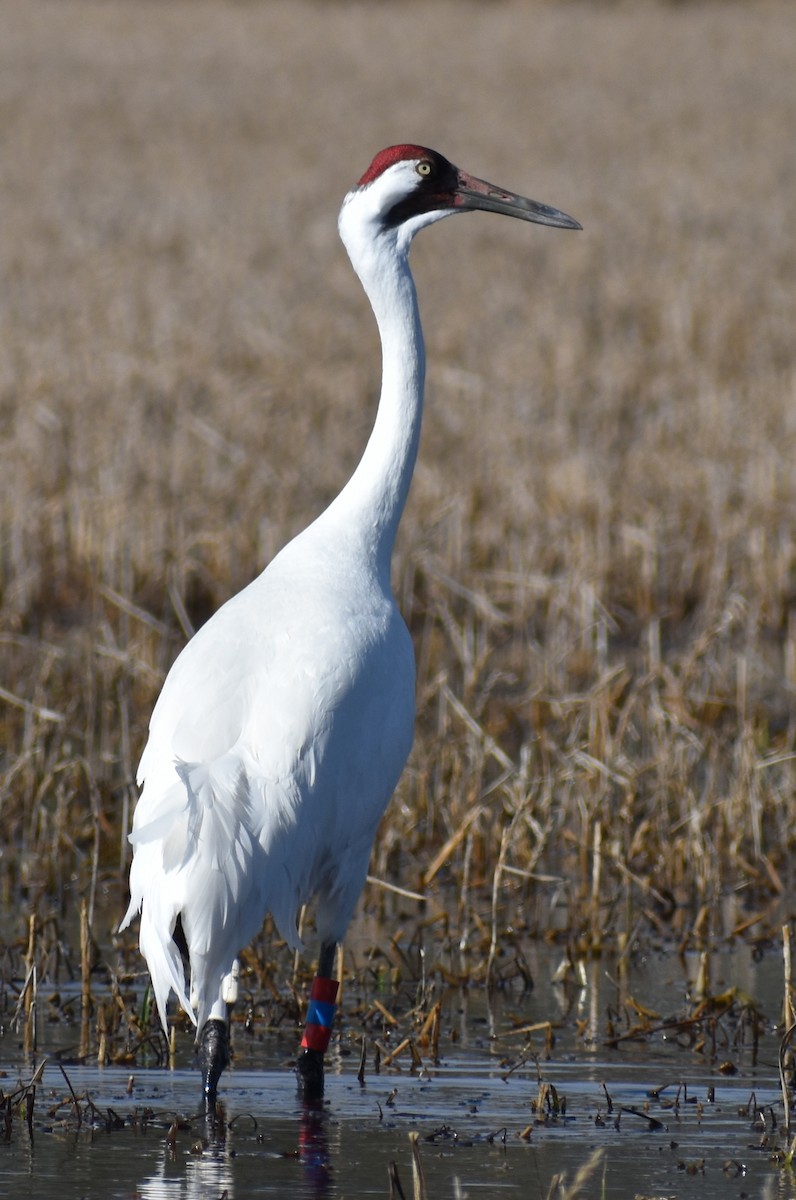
371,503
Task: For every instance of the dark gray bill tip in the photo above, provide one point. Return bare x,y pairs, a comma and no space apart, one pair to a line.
475,193
543,214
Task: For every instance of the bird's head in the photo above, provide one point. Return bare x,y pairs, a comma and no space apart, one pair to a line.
407,187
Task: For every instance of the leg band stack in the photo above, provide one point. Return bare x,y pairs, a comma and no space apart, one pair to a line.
320,1014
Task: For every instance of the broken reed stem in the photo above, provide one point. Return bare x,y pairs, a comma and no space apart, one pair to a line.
405,1044
340,979
29,1037
363,1056
102,1037
418,1178
464,893
396,891
396,1190
75,1100
496,881
452,843
429,1033
789,1022
85,978
123,697
702,986
783,1082
596,876
96,814
297,953
788,1014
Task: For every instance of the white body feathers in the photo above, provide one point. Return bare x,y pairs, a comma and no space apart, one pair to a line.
285,723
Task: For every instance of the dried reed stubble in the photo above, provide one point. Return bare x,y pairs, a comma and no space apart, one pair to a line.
597,561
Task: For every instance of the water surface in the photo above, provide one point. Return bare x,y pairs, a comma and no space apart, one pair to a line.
673,1113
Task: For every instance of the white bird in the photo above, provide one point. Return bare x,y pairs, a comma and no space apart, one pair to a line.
284,724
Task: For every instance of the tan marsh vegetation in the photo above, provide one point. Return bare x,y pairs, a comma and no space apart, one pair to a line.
598,561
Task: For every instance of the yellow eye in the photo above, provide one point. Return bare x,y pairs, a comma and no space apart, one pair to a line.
424,168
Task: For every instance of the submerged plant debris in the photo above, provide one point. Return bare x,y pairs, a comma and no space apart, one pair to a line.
562,1062
468,1080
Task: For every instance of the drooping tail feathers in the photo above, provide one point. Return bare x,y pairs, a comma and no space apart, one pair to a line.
200,854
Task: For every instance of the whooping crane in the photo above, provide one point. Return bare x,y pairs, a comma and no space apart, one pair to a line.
284,725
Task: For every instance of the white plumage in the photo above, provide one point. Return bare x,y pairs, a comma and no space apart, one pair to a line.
284,724
274,747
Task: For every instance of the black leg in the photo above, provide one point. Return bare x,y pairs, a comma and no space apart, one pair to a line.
182,944
326,959
309,1066
213,1058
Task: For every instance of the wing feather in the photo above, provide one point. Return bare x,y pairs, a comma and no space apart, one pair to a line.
269,763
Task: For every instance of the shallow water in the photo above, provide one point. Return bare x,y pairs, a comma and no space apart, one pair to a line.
344,1150
682,1139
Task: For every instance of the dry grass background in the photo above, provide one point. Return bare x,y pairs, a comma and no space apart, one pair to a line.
598,561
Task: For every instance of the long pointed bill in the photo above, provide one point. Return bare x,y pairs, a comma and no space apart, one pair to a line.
477,193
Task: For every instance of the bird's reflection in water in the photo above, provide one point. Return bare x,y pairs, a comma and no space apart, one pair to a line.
314,1150
202,1169
208,1165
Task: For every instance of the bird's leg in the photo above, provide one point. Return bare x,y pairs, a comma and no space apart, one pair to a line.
213,1058
318,1027
214,1042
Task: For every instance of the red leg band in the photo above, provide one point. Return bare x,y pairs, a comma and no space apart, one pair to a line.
320,1014
324,989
